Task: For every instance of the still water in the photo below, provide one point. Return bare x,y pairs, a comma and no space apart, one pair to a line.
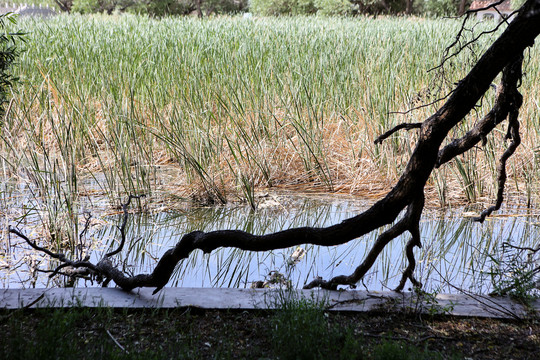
456,253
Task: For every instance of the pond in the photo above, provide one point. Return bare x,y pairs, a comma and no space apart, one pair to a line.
457,252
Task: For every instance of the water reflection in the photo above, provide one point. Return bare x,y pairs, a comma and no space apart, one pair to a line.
455,249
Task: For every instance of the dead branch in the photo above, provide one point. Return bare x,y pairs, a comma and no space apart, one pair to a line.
463,28
409,222
506,100
501,170
405,126
122,228
506,243
61,257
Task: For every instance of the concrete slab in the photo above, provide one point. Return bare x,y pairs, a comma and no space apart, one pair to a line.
250,299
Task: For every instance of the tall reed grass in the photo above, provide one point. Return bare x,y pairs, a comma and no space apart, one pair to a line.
215,109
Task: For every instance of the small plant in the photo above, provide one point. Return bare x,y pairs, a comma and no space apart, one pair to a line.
301,330
514,272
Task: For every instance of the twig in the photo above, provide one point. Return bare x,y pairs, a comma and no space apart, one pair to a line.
116,342
460,33
122,228
27,306
35,246
406,126
421,106
506,243
494,306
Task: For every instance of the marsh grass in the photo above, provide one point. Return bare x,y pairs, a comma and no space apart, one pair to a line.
237,105
216,110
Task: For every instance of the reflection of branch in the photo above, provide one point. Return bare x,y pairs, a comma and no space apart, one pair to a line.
506,243
122,228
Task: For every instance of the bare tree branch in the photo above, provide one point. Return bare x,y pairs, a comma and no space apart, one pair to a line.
507,98
122,228
406,126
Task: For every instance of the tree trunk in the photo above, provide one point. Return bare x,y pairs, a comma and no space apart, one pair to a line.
409,7
199,8
462,6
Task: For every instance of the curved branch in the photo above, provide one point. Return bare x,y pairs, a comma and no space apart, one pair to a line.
513,133
414,241
61,257
122,227
409,222
506,100
406,126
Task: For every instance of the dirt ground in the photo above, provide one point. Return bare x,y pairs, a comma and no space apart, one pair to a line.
212,334
473,338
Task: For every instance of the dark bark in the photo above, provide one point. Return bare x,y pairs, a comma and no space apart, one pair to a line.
462,5
408,193
64,5
198,5
409,6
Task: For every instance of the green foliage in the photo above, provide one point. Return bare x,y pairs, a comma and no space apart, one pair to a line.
99,6
63,5
224,6
8,55
379,7
269,7
158,7
333,7
440,8
301,331
282,7
239,83
165,7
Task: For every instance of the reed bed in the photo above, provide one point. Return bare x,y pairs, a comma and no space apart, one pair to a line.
218,109
222,109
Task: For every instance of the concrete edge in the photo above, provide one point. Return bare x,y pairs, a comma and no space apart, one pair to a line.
257,299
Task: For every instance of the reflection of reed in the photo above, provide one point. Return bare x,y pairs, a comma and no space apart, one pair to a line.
455,249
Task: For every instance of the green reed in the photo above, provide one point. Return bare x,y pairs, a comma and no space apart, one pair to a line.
237,104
